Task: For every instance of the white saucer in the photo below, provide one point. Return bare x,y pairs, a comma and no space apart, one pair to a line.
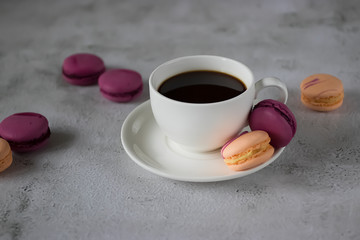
149,148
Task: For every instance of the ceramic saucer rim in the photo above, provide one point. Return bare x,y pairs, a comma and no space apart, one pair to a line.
138,111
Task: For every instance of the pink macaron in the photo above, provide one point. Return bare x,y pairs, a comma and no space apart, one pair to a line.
248,150
26,131
120,85
82,69
276,119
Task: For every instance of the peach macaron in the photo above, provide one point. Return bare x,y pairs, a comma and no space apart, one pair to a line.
322,92
248,150
5,155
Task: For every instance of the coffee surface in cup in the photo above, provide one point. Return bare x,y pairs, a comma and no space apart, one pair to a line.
202,87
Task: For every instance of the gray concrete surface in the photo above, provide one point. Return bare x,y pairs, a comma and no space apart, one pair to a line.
83,185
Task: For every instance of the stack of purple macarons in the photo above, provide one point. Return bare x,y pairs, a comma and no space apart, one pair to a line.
118,85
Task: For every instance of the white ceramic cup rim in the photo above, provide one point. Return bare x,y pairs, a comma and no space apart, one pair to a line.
192,57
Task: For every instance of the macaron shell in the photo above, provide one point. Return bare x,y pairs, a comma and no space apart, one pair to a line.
244,142
253,162
32,147
23,126
5,155
82,69
25,131
321,107
276,119
230,141
282,109
120,85
82,81
123,97
83,64
322,92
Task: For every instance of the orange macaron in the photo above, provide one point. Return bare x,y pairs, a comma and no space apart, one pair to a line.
5,155
322,92
248,150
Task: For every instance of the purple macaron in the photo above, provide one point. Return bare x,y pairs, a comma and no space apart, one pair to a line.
276,119
25,131
82,69
120,85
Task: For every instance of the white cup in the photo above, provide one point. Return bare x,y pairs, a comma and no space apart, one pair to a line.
203,127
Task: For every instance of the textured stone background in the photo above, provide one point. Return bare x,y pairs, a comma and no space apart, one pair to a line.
84,186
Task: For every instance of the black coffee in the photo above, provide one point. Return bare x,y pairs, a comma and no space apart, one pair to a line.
202,87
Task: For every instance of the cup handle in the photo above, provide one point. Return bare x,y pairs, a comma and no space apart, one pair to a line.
271,82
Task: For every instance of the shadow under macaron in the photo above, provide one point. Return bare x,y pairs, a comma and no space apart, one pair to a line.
59,140
26,161
324,146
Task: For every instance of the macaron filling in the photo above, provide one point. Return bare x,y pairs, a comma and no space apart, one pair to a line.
19,146
324,101
120,94
75,76
253,152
